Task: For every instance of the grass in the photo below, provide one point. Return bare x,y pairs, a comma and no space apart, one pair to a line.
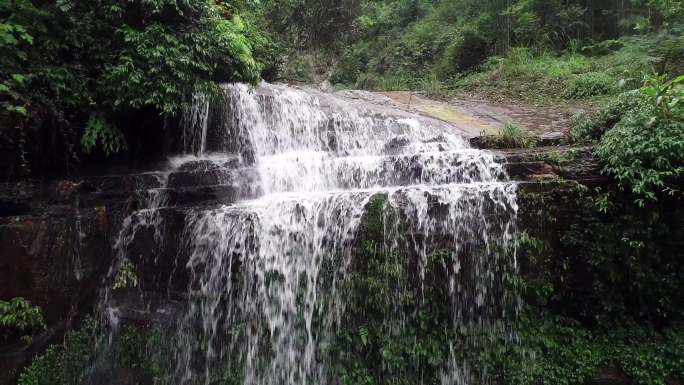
524,76
509,136
545,78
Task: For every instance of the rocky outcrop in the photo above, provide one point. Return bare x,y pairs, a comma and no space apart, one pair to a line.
56,242
57,239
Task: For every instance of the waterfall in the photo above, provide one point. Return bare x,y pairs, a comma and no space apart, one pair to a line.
267,266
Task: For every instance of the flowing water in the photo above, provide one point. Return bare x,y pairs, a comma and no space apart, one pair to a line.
266,267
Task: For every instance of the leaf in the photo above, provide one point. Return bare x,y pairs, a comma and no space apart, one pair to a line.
649,91
19,78
363,333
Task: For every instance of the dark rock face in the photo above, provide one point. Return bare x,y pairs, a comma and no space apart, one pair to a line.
55,257
57,239
58,244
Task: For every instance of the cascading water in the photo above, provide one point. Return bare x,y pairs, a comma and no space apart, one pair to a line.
266,270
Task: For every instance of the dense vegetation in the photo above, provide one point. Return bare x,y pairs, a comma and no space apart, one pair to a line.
602,288
80,76
413,44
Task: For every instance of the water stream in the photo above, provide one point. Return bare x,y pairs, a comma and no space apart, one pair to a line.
265,269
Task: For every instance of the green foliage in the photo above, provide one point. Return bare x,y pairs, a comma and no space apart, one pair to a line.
145,353
521,74
665,95
71,67
19,318
644,152
312,22
591,84
546,51
110,139
378,343
126,277
467,50
563,352
594,256
65,364
510,136
590,126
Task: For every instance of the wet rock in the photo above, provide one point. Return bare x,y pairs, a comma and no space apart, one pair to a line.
57,263
394,145
610,376
552,138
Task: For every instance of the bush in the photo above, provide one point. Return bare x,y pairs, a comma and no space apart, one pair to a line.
466,51
72,69
644,153
510,136
589,126
591,84
19,318
64,364
350,66
567,353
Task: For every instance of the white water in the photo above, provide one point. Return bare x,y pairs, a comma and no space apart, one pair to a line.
315,161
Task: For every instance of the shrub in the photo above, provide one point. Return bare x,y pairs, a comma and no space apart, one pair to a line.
511,136
644,153
72,69
64,364
589,126
350,66
567,353
19,317
514,136
466,51
640,135
591,84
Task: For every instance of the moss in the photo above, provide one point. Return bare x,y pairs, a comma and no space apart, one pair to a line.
373,225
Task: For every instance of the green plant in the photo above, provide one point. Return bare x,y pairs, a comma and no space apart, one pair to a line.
434,88
98,131
644,152
467,50
19,318
511,136
559,351
665,94
126,276
591,84
590,126
65,364
599,258
73,71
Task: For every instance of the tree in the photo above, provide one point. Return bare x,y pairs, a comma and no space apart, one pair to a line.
71,67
